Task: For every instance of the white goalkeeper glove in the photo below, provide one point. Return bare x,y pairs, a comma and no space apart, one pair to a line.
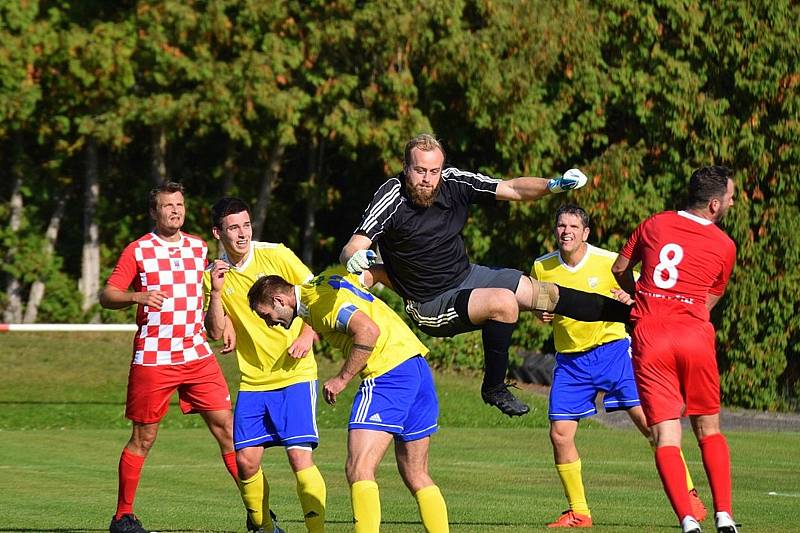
572,179
361,261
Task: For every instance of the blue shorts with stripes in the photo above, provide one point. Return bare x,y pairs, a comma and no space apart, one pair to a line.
402,401
281,417
579,377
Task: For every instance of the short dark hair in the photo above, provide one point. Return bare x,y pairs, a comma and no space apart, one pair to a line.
168,187
572,209
706,184
223,207
265,288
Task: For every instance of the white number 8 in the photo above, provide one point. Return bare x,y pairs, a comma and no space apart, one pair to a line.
671,255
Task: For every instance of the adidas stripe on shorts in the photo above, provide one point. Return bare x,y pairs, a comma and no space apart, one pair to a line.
401,401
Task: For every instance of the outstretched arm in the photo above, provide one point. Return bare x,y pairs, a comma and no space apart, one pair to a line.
521,189
526,188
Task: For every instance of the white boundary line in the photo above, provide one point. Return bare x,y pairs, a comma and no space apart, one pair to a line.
5,328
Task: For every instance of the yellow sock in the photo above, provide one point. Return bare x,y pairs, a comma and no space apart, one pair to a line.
432,509
312,493
252,490
267,521
570,475
689,481
366,506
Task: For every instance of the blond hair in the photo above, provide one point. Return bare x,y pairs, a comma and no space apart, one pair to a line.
425,142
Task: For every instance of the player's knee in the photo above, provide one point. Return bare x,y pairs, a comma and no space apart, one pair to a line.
561,437
417,480
247,466
358,471
142,439
502,306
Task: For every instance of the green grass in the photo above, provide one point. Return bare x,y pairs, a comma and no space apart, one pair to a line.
62,429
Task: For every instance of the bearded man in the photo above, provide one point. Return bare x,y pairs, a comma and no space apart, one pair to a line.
417,217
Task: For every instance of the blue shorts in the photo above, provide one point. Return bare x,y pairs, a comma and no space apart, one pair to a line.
280,417
577,378
402,401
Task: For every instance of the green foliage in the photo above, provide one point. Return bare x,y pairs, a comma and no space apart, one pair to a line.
635,93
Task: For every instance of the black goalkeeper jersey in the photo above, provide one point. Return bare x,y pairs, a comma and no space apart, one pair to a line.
422,247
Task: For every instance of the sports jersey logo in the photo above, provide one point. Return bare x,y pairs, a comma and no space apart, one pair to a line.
228,290
375,418
593,281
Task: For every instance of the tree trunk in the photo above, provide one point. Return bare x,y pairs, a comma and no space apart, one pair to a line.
315,181
268,184
89,284
37,289
158,150
13,311
228,169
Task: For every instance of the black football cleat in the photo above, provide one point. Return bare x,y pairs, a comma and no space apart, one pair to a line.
500,397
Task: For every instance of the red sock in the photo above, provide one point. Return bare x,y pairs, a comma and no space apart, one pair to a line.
130,470
230,463
717,462
673,477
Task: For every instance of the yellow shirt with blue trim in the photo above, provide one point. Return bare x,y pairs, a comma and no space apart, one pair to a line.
261,351
592,274
329,301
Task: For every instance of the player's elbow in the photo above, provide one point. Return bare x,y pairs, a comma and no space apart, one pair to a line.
370,333
107,299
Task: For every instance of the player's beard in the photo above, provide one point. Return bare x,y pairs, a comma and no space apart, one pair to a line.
423,196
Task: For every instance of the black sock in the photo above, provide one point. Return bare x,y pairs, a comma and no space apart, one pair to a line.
496,341
590,307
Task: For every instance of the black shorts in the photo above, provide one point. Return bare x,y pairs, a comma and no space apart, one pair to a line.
446,315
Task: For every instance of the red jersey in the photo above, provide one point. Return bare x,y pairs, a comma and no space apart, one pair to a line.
684,257
174,334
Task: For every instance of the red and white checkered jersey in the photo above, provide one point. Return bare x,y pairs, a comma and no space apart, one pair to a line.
684,258
174,334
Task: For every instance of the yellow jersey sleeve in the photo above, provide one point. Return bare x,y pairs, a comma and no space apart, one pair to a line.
335,296
592,274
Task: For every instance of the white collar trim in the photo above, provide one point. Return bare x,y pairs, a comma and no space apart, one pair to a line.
699,220
580,263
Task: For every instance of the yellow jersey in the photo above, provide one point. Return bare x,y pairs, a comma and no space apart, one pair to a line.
261,351
328,302
592,274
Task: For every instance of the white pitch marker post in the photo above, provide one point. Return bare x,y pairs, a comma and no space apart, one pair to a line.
6,328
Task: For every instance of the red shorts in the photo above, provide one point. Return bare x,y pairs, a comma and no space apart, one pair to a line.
675,365
200,385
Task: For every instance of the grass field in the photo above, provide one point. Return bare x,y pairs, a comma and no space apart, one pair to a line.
62,428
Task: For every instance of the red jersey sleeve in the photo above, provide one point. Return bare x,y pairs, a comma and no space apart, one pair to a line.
631,249
727,267
125,272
